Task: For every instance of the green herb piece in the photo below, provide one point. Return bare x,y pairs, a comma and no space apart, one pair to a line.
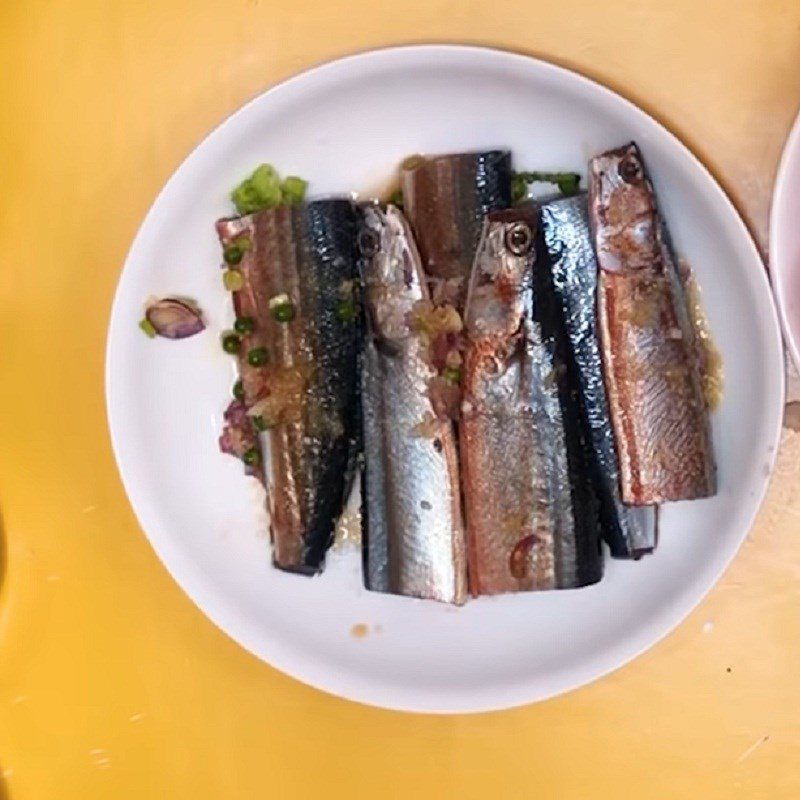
452,374
412,162
267,183
232,254
235,251
345,311
260,424
251,457
261,190
519,187
396,199
230,343
283,312
257,357
238,390
244,325
293,189
568,182
281,308
232,280
148,328
245,198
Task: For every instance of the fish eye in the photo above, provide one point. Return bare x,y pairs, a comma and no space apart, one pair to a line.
368,242
519,239
630,170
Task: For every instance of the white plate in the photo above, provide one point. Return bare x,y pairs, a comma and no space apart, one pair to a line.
784,241
346,125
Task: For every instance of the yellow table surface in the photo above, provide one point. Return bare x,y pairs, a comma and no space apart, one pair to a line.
112,684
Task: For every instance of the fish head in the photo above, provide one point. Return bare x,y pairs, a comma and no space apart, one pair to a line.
622,208
502,273
391,271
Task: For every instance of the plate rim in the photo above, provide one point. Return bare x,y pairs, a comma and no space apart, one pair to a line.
791,149
279,657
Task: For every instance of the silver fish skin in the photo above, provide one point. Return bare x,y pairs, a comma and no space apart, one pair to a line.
650,354
413,530
565,250
530,510
307,387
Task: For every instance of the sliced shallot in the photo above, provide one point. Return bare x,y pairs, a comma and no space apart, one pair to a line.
174,319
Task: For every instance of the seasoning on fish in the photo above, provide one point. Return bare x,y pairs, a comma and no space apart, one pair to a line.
564,250
530,508
413,531
709,359
445,199
653,384
299,372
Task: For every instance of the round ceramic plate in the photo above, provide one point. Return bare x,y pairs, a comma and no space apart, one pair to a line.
784,241
345,126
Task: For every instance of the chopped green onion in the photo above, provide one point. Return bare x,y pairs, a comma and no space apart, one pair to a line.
345,311
412,162
235,251
238,390
245,198
244,325
396,199
568,182
232,254
257,357
261,190
251,457
265,189
283,312
281,308
148,328
519,187
232,280
452,374
293,189
230,343
260,424
266,182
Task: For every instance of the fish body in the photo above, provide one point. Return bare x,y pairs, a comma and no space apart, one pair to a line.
306,394
530,509
445,199
564,249
413,531
652,378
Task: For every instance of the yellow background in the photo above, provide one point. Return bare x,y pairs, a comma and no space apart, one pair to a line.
112,684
